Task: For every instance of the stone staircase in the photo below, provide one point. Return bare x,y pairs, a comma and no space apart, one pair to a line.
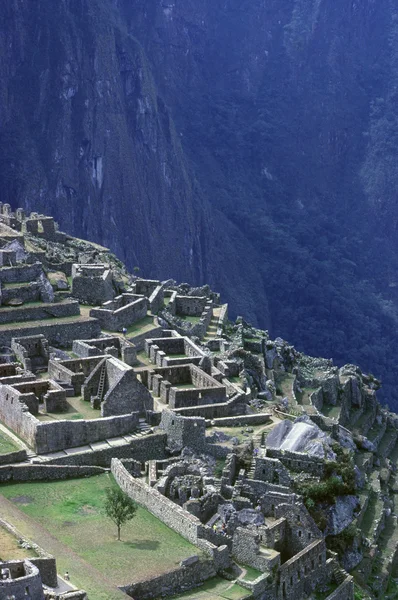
250,474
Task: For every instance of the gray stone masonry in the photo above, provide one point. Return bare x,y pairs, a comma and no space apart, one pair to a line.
184,431
145,287
162,351
248,550
52,436
73,371
92,284
186,577
345,591
31,351
43,472
21,273
121,392
28,292
126,351
207,390
270,470
60,334
179,519
298,461
43,311
21,580
121,312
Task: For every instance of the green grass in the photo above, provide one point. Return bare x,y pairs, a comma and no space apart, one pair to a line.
7,444
138,327
72,511
10,549
215,589
251,574
77,409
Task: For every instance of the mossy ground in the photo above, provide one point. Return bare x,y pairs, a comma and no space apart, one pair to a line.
72,512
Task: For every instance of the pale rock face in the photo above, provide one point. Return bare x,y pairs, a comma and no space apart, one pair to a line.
301,436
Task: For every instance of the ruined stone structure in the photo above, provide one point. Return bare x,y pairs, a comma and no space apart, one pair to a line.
158,406
121,312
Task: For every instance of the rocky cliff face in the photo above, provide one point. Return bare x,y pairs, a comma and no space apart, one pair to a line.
250,145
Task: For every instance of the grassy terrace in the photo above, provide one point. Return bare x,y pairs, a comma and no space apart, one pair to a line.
215,589
77,409
49,321
66,518
10,549
7,445
141,326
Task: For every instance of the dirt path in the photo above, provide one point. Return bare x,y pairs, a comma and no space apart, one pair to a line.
82,574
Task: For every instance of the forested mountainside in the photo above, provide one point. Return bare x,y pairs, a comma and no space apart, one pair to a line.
248,144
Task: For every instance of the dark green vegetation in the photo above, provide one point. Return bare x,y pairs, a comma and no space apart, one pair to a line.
338,480
119,507
73,512
257,139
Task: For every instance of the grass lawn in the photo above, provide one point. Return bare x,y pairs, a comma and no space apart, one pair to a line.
215,589
72,511
7,444
251,574
141,326
10,549
77,409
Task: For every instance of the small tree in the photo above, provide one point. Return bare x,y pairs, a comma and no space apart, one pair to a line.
119,507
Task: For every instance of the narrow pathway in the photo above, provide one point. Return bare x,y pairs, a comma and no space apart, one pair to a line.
82,574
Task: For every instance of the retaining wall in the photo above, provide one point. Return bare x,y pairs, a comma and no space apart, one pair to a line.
33,472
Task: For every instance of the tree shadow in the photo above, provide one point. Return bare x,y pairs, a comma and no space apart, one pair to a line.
143,545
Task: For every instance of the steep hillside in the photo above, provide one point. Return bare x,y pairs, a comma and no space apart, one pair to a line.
248,144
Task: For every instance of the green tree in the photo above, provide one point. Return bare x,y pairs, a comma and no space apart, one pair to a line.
119,507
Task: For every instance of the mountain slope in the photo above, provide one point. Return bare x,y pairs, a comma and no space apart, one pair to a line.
250,145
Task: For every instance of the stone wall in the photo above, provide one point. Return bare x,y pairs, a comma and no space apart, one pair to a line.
34,313
271,470
146,287
222,319
247,550
190,575
298,461
190,305
51,436
57,334
139,340
123,392
57,435
125,351
301,574
258,419
13,457
92,283
27,293
43,472
73,371
164,509
345,591
123,311
140,449
184,431
21,273
156,299
27,582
